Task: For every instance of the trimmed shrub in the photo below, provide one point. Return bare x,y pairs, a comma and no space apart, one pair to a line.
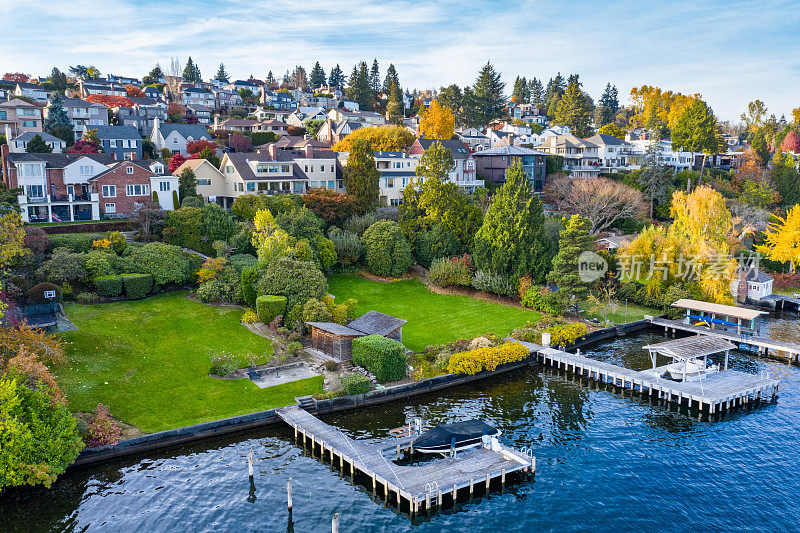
348,246
248,280
137,286
435,244
63,267
358,224
355,384
98,264
74,242
87,298
192,201
269,306
294,348
565,334
297,280
453,271
36,293
315,311
384,357
386,249
242,261
496,283
108,286
488,358
175,203
166,263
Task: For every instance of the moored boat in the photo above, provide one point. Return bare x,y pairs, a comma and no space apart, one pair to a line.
444,438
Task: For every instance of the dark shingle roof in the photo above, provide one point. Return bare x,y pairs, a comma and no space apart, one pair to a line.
336,329
456,147
25,137
196,131
375,323
77,102
608,140
118,132
58,160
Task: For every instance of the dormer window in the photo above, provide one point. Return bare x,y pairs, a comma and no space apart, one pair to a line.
129,169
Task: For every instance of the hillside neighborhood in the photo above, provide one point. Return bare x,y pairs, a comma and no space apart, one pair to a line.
181,252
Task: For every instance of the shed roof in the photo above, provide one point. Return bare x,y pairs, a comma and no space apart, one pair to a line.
375,323
691,347
718,309
334,328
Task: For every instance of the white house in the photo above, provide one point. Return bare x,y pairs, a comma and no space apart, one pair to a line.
758,285
20,143
580,156
31,90
397,169
303,114
464,173
174,137
614,153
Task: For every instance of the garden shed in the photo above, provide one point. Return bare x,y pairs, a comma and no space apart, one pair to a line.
336,340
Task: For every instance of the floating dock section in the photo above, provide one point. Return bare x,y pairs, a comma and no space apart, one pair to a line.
716,392
412,487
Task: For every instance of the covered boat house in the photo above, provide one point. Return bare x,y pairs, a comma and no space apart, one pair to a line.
336,340
689,356
718,316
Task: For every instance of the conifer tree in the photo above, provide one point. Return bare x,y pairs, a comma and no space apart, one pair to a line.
318,78
573,240
37,146
222,74
336,77
488,91
361,177
375,78
536,92
574,111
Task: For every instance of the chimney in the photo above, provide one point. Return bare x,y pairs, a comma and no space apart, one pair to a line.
741,290
8,134
272,150
156,124
309,151
216,122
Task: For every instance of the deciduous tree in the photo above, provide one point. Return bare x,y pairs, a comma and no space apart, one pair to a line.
782,238
383,138
437,122
613,130
600,200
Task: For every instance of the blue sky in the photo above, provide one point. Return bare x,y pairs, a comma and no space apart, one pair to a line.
730,52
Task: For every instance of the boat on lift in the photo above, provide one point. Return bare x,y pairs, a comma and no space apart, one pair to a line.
456,436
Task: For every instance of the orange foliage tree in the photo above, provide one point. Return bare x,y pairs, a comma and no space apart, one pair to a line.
46,347
133,90
109,100
330,206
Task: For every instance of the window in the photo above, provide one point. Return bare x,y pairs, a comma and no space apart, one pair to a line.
25,112
129,169
251,186
305,168
28,123
390,182
137,190
32,170
285,169
92,110
330,184
109,191
312,168
3,115
112,143
312,184
333,168
130,156
164,186
111,208
204,182
35,191
85,170
228,169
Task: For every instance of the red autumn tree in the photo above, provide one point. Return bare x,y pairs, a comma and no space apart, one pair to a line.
195,147
16,77
330,206
82,146
296,131
190,118
791,143
133,90
175,109
239,143
176,161
110,100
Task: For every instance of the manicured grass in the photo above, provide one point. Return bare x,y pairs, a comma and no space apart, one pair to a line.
432,318
148,361
620,314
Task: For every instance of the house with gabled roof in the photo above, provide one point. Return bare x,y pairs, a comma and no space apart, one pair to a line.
128,185
580,156
31,90
174,137
210,181
20,116
464,174
612,152
82,114
120,142
303,114
19,144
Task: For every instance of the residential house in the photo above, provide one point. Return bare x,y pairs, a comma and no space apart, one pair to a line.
397,169
266,172
142,114
20,116
210,181
55,187
751,285
492,164
277,99
152,92
464,174
202,112
275,126
332,132
198,95
272,114
120,142
295,142
225,100
528,113
127,185
612,152
241,84
31,90
123,80
303,114
174,137
321,166
474,139
19,144
318,100
580,156
368,118
110,88
500,138
351,105
662,151
82,114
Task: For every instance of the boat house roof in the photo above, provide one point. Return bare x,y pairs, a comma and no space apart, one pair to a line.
691,347
375,323
718,309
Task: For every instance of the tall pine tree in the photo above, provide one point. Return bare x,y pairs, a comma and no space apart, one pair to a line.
536,92
520,95
191,72
574,111
318,78
391,76
489,94
336,77
359,88
573,240
375,78
222,74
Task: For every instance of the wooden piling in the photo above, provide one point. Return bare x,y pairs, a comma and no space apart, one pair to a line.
289,494
335,523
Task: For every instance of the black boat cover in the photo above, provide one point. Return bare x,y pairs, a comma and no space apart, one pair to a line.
444,433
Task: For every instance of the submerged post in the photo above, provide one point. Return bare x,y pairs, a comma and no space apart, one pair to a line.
250,463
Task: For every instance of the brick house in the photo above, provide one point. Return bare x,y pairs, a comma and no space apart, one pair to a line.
127,185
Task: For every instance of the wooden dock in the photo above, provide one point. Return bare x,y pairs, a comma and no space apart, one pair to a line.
718,391
416,487
763,344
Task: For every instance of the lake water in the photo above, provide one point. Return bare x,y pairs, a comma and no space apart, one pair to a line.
604,462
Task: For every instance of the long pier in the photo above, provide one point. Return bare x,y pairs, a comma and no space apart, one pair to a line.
763,344
718,391
420,487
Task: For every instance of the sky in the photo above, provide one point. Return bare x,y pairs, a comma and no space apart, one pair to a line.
730,52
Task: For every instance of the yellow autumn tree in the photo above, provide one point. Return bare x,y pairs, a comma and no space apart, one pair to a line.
783,238
12,238
437,122
656,107
270,241
384,138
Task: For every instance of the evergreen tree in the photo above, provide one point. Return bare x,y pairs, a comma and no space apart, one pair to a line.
512,241
610,99
697,131
394,107
451,97
58,79
391,76
359,88
536,92
56,115
576,79
318,78
336,77
222,74
270,82
187,183
573,240
489,97
521,95
375,78
361,176
574,111
37,146
471,115
191,72
555,89
155,76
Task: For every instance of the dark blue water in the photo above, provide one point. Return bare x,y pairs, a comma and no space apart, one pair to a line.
604,462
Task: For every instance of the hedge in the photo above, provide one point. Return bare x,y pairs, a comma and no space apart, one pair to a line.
384,357
248,279
74,242
488,358
269,306
108,286
175,203
137,286
355,384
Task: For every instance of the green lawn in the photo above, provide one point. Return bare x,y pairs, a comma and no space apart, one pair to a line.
620,314
432,318
148,361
